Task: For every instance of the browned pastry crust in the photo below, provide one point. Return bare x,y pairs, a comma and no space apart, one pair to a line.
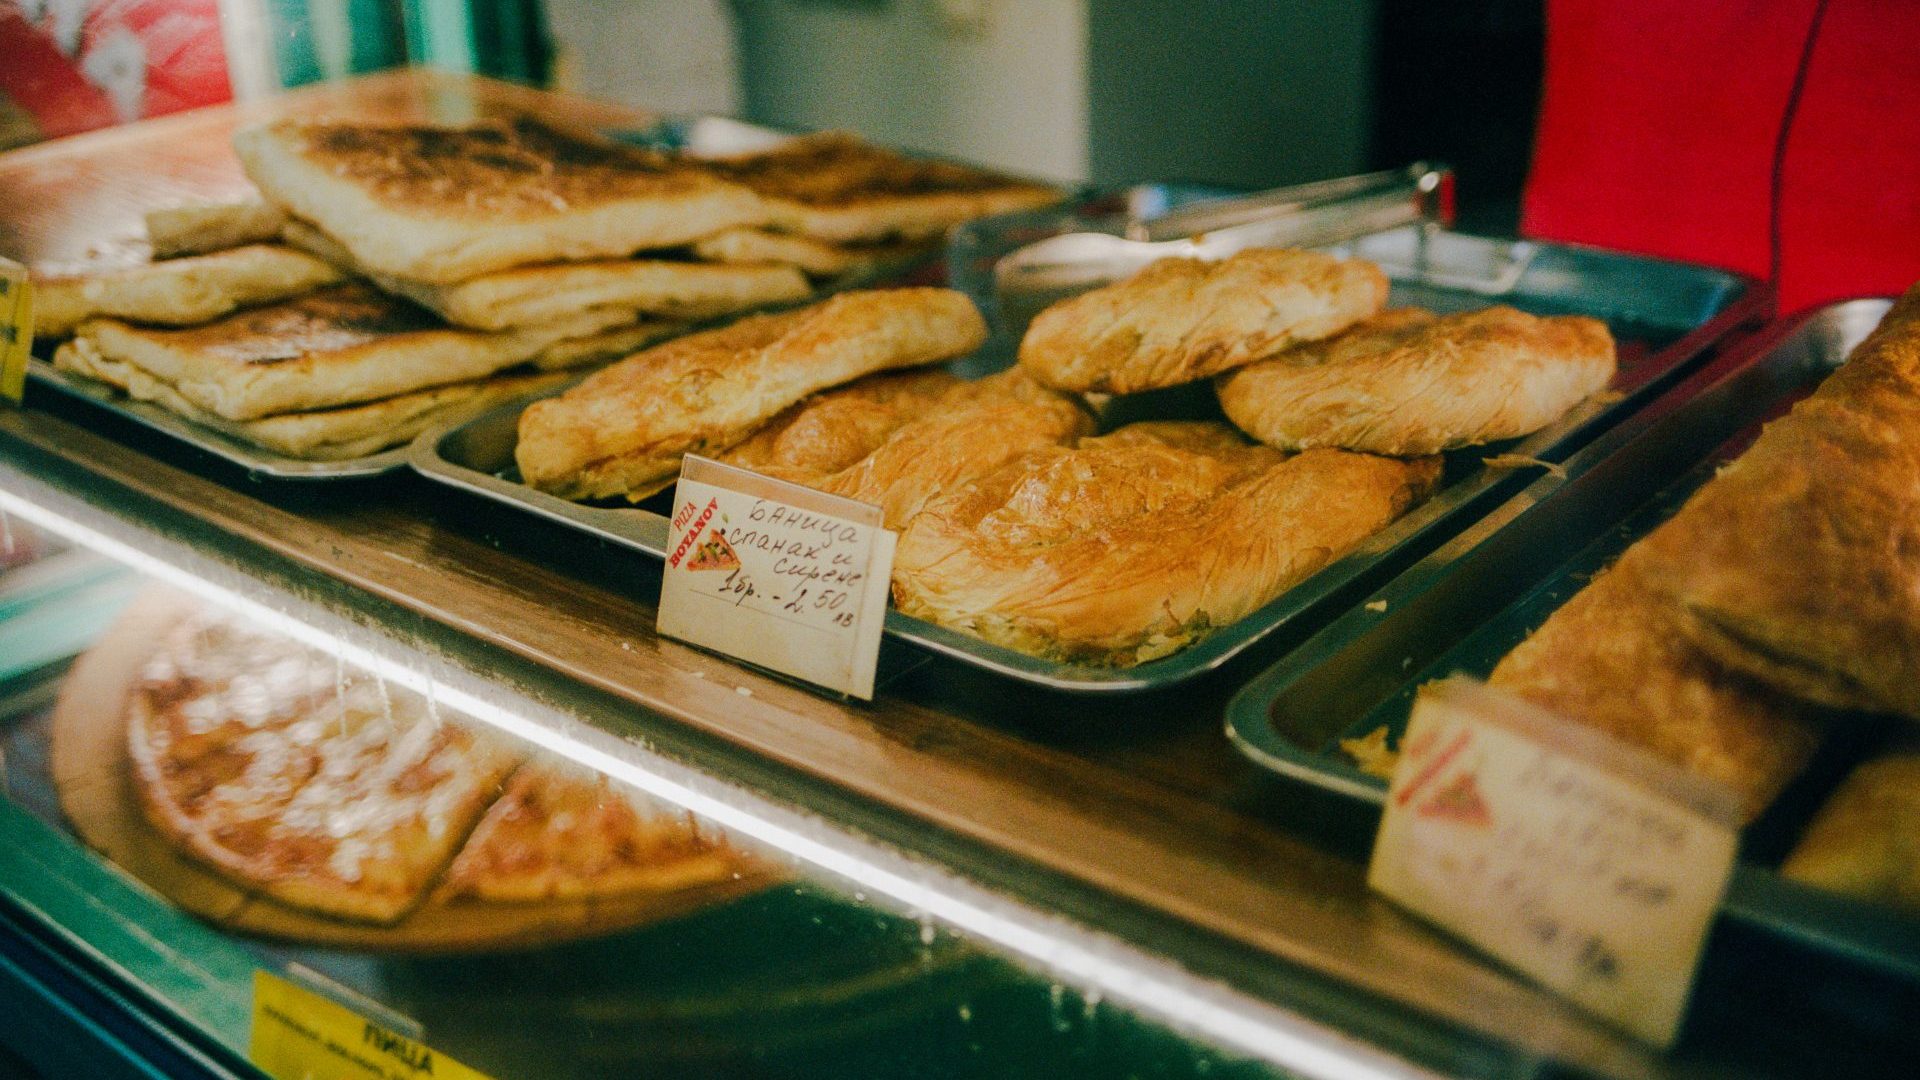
816,258
442,204
1410,382
199,228
1800,563
177,292
622,431
554,292
1132,546
1183,319
561,832
313,785
346,344
902,450
833,186
1612,658
1865,842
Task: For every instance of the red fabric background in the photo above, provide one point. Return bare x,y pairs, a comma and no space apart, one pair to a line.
1657,132
185,62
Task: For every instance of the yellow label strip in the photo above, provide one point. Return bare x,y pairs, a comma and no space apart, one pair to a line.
16,329
300,1035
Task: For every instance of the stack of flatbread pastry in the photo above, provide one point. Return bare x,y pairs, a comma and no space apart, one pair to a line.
393,276
329,792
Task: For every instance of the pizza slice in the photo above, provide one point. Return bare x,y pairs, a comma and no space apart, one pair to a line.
299,778
562,832
714,553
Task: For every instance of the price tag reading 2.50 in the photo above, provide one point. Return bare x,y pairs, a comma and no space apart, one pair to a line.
777,575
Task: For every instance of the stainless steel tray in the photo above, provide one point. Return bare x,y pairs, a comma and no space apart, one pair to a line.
1666,316
1467,604
45,376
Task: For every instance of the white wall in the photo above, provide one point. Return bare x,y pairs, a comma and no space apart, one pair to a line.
1009,90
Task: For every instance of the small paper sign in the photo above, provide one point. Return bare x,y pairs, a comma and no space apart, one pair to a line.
16,329
1581,861
300,1035
778,575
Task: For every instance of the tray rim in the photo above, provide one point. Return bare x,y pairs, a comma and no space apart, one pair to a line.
645,532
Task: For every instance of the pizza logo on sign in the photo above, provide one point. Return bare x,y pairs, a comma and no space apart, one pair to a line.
1460,802
714,553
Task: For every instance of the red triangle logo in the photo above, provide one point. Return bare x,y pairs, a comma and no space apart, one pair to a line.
714,553
1460,802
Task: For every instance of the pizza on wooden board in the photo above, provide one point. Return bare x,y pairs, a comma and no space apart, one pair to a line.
303,780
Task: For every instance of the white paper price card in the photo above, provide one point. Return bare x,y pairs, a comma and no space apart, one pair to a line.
1587,864
778,575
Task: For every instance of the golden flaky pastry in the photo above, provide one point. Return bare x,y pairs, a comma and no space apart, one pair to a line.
1183,319
623,431
1133,545
443,204
1611,658
832,186
177,292
1411,382
816,258
900,446
556,292
347,431
198,228
339,346
1799,564
1865,841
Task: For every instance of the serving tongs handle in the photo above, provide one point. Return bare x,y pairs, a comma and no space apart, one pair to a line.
1319,214
1423,190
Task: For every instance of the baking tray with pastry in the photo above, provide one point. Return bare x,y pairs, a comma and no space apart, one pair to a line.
1739,622
1037,495
381,278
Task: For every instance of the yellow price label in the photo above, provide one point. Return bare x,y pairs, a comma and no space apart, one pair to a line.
300,1035
16,329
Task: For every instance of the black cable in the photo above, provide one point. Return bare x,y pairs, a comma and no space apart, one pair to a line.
1780,143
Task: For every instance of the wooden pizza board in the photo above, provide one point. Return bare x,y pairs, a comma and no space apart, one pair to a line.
92,771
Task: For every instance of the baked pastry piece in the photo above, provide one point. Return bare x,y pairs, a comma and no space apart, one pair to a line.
198,228
555,292
1865,841
1132,546
899,447
1409,382
1612,658
347,431
308,783
833,186
561,832
177,292
338,346
1183,319
1799,564
816,257
440,204
623,430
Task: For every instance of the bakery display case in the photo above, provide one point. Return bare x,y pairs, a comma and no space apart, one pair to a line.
406,742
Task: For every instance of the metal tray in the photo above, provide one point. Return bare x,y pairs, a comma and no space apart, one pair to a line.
1666,316
1467,604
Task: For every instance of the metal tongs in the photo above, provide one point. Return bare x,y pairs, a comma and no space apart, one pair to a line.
1319,214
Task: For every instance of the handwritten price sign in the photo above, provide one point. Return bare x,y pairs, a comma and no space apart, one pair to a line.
1580,861
16,329
777,575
